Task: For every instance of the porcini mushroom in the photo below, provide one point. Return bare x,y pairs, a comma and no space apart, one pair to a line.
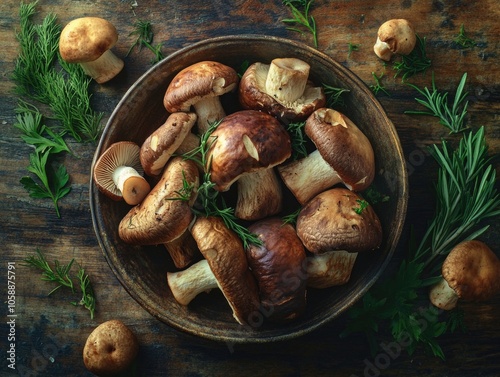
88,41
333,221
224,266
247,145
281,89
278,264
110,349
343,155
470,272
118,173
395,36
163,215
200,85
165,141
329,269
183,250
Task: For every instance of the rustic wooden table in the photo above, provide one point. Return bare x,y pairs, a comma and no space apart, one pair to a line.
50,333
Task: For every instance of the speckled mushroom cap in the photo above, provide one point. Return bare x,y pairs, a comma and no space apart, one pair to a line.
472,270
329,222
226,257
343,146
279,268
85,39
246,141
200,80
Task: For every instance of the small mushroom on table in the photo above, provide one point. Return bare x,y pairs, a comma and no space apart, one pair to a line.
224,266
248,144
118,172
200,85
334,227
88,41
395,36
278,265
343,155
470,272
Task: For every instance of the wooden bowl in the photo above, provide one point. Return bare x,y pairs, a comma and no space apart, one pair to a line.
142,270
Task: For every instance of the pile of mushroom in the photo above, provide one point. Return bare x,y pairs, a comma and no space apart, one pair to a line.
248,162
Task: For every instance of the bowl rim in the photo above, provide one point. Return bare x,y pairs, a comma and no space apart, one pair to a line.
401,205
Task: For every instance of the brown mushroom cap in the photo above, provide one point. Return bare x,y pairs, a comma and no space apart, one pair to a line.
246,141
110,349
118,173
279,267
344,146
164,141
162,217
396,36
226,257
329,222
472,270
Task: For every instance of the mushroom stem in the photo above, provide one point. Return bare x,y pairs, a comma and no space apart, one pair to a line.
187,284
131,184
443,296
287,79
208,110
308,176
259,195
182,250
329,269
104,68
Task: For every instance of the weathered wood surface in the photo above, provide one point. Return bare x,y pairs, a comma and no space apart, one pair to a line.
50,333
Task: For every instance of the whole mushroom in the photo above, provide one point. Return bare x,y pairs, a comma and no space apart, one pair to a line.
343,155
110,349
395,36
88,41
470,272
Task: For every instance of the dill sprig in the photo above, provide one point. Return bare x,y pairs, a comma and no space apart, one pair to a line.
298,140
463,40
437,104
413,63
301,17
144,32
334,95
291,218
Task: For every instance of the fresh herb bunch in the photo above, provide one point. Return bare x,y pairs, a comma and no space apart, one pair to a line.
144,32
437,104
301,17
334,95
413,63
463,40
465,197
208,200
61,275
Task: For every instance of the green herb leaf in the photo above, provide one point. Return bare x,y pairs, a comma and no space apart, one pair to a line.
334,96
463,40
301,17
378,87
413,63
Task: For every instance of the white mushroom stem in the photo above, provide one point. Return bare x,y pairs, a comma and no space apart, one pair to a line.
121,174
104,68
308,176
208,110
382,50
329,269
187,284
287,79
259,195
131,184
443,296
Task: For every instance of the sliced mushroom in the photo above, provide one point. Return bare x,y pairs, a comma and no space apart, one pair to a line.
225,266
88,41
470,273
118,173
344,155
247,142
163,216
278,266
395,36
200,86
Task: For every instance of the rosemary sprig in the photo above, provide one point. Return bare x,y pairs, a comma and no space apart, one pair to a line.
301,17
144,32
378,87
463,40
334,95
413,63
292,217
88,298
436,102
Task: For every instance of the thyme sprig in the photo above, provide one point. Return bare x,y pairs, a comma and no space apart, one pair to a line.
413,63
301,17
452,117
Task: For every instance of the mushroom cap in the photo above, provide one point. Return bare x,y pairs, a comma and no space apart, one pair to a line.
162,216
252,95
329,222
343,146
246,141
472,269
110,348
198,81
85,39
164,141
279,268
122,153
226,257
396,36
